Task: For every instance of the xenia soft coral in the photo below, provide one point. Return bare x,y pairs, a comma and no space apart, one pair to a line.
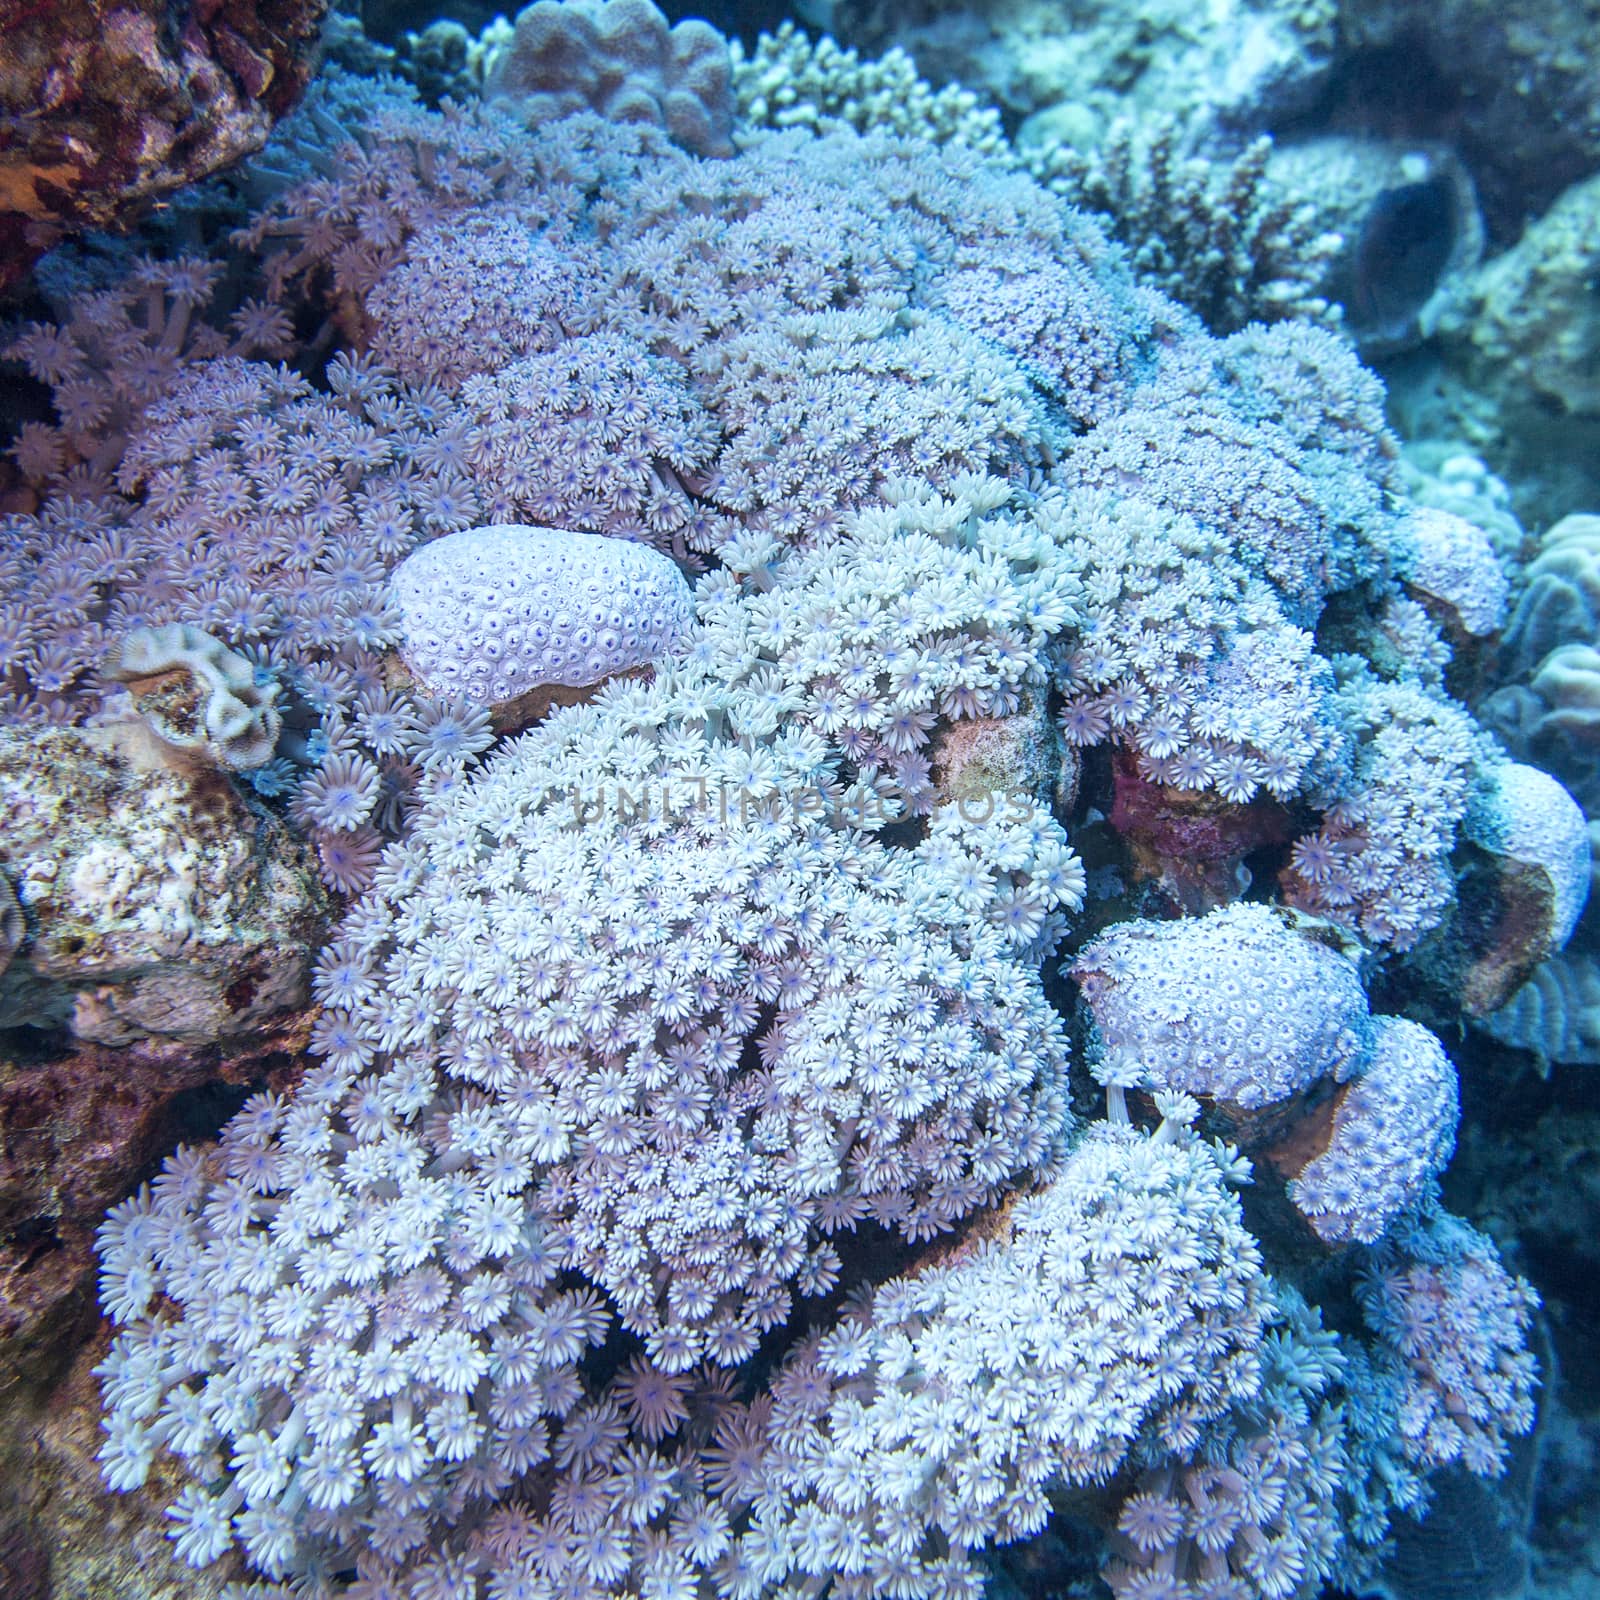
1121,1305
1380,861
622,1007
1187,656
1454,1323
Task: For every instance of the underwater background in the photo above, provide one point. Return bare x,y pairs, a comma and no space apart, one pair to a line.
794,800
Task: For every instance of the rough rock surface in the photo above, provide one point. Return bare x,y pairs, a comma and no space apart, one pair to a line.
1522,888
63,1534
1527,323
78,1128
156,904
1516,86
984,763
106,105
1097,58
1189,843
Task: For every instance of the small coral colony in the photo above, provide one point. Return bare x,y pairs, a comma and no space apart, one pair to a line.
866,781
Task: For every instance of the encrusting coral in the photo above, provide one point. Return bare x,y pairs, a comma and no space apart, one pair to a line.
683,1197
227,713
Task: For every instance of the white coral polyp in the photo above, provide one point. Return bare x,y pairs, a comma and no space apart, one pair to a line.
1394,1131
490,613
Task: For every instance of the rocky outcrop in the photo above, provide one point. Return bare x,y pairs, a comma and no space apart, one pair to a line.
107,105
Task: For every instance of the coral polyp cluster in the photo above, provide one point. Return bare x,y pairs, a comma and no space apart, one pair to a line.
742,1148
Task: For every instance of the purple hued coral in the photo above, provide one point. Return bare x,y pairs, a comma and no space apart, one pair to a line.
683,1196
1238,1006
493,612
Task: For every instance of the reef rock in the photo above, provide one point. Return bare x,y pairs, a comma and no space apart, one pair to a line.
981,763
63,1535
77,1129
155,903
1522,889
1027,55
1516,84
1527,324
105,107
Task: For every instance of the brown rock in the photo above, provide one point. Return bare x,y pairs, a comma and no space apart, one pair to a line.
78,1130
63,1534
1191,842
976,759
107,105
156,903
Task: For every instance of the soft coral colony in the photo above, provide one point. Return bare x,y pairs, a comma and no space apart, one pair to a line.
685,1197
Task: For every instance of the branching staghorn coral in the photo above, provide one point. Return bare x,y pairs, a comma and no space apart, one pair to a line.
791,81
1209,231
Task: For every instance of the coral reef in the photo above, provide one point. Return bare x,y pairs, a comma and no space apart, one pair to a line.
1262,1019
691,1186
1263,1511
1379,861
1437,1293
1524,326
621,59
1545,713
1522,879
1102,59
1560,600
770,903
61,1537
788,81
1527,817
